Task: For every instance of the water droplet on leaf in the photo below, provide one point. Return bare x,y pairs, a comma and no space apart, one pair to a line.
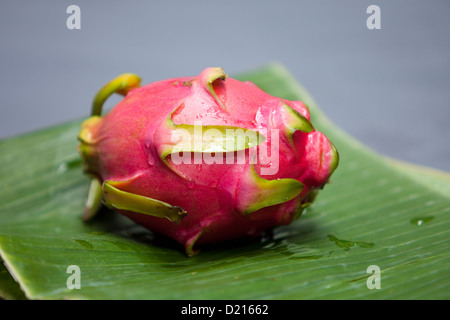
421,221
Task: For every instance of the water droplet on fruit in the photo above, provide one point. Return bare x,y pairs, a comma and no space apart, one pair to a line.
191,184
151,160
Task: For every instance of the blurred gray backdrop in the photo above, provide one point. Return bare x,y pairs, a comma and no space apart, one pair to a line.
390,88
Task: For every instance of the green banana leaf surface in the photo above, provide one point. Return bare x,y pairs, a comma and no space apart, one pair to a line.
375,211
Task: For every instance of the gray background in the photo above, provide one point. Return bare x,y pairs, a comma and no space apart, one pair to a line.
389,88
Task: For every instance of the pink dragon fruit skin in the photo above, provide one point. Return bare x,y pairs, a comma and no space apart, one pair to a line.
130,153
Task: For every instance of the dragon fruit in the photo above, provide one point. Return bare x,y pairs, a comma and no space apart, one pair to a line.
203,159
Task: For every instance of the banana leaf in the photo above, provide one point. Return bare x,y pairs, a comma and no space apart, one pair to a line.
376,211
